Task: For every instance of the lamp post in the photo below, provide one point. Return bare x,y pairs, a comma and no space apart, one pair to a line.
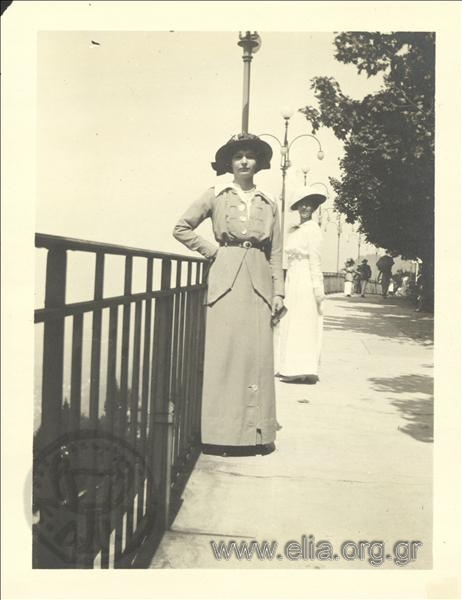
339,229
285,147
250,42
322,210
339,233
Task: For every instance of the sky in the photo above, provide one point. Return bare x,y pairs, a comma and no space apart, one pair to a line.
128,123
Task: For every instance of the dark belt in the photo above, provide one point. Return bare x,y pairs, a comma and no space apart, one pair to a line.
246,244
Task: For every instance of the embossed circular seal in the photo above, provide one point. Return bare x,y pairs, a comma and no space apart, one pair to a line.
93,493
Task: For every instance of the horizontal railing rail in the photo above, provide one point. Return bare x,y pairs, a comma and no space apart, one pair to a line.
45,240
334,283
118,390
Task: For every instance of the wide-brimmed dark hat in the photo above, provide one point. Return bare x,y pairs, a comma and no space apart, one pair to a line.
224,154
315,193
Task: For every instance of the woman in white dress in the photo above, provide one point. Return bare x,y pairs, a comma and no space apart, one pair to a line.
300,330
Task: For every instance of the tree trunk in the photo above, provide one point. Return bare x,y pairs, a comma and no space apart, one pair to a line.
428,282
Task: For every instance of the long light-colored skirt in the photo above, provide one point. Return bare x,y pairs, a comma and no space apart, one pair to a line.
300,330
238,402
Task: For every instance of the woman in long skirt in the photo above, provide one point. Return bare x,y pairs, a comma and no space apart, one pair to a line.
245,288
301,328
349,271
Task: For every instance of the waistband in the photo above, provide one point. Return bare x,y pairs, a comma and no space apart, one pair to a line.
263,246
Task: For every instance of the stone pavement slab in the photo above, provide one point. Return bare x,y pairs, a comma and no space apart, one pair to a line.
353,458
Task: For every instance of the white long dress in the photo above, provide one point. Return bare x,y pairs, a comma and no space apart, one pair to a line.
300,330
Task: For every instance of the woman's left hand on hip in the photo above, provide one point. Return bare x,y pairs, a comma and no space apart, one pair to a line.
278,304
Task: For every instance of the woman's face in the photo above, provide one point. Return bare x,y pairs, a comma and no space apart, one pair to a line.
305,209
244,163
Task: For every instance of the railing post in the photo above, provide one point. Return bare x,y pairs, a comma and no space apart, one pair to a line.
161,407
53,346
52,393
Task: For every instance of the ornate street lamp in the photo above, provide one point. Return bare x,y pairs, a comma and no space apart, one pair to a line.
305,171
285,147
339,233
322,210
250,42
339,228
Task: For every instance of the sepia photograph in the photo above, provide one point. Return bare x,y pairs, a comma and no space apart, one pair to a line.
235,266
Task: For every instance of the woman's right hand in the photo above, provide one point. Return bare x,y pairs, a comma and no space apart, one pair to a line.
212,258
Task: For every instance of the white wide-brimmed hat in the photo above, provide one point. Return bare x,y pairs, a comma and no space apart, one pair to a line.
316,192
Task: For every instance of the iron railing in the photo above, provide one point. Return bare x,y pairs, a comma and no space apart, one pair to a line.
333,282
113,448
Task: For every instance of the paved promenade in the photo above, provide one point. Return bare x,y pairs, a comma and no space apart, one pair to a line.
353,459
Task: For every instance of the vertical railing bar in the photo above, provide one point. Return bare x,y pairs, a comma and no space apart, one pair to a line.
145,383
162,417
180,373
151,441
179,412
95,374
197,328
192,373
196,321
194,368
96,343
81,556
134,410
53,346
184,370
111,386
175,362
202,309
52,369
76,373
122,408
188,348
202,346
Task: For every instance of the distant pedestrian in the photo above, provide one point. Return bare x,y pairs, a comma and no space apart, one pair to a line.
420,292
364,272
384,265
356,283
349,270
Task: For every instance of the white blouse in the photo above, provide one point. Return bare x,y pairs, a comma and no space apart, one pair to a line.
303,244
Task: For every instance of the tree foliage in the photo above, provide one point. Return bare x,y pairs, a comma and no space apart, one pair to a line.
387,172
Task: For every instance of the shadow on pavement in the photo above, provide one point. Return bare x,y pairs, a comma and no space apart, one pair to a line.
417,412
390,318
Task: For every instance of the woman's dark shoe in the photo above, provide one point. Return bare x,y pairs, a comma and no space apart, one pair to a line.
311,379
307,379
265,449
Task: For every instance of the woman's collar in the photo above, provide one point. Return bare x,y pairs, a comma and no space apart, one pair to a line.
221,187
